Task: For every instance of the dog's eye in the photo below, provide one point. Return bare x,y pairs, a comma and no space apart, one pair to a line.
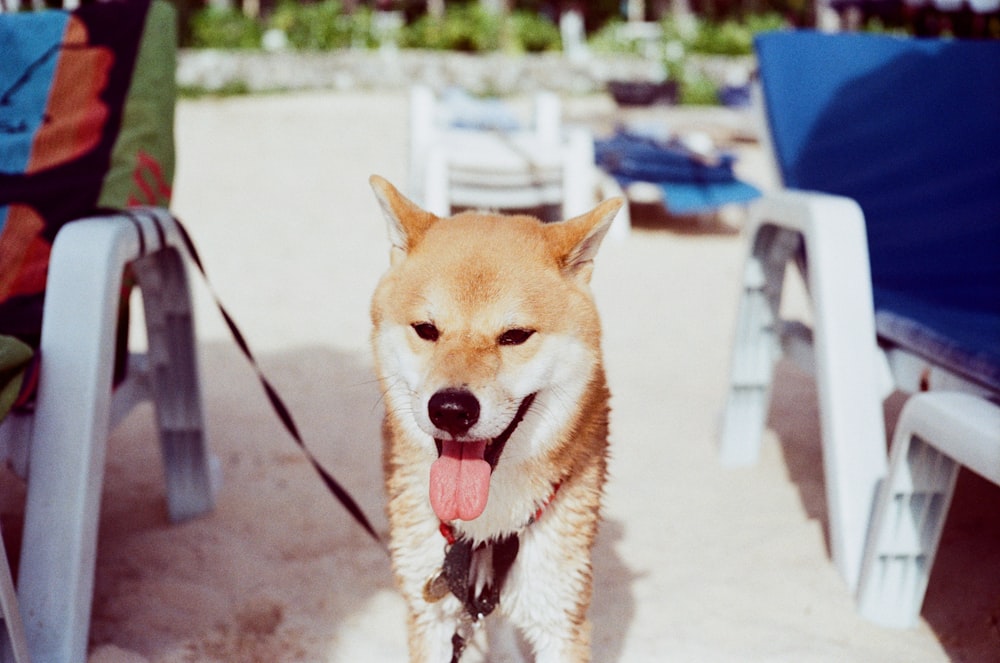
515,336
426,331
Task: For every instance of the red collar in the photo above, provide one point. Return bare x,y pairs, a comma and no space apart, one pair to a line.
448,532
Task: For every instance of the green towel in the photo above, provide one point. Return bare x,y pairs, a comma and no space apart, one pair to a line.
14,358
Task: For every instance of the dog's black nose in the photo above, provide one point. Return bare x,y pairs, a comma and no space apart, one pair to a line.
454,411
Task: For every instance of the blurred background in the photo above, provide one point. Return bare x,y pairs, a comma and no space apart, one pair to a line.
697,45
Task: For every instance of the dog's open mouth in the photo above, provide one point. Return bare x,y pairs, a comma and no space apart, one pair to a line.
460,477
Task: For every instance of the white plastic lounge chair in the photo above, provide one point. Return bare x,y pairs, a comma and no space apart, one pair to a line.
75,410
60,443
938,432
468,153
890,152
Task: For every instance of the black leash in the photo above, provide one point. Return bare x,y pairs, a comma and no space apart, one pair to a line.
277,403
460,556
456,573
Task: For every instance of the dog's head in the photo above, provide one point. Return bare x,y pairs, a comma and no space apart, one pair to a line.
485,336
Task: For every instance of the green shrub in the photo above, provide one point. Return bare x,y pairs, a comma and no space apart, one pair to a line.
468,28
534,33
472,29
733,37
699,91
224,28
609,39
323,26
726,38
768,22
230,89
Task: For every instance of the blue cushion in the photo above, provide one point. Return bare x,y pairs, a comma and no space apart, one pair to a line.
910,129
958,339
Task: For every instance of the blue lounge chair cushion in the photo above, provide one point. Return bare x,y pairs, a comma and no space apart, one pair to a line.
914,138
964,341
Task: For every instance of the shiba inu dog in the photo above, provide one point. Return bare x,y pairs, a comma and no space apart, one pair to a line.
487,347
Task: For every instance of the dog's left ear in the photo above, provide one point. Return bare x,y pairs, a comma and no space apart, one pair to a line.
575,241
407,221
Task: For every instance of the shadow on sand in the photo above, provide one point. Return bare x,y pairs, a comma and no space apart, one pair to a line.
274,570
279,571
654,216
613,606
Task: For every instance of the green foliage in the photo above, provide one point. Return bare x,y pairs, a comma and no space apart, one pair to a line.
224,28
699,91
611,39
231,89
468,28
768,22
323,25
534,33
473,29
877,25
729,37
726,38
733,37
678,40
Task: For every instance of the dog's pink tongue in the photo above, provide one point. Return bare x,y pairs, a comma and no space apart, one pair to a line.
460,481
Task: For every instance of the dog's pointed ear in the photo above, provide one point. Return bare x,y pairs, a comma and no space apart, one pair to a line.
406,220
575,242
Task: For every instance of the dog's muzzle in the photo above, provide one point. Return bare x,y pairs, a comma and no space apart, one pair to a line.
460,477
456,411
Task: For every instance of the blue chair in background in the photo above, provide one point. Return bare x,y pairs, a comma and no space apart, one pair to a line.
889,153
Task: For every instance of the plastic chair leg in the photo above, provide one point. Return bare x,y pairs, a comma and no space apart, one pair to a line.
846,356
756,345
422,132
173,372
74,409
13,642
69,438
848,381
937,433
578,173
436,192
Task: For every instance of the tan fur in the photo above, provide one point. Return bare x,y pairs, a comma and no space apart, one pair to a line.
474,276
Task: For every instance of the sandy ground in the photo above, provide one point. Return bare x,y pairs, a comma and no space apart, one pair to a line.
694,562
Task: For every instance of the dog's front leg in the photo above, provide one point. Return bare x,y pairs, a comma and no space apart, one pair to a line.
548,594
564,647
432,614
505,643
431,629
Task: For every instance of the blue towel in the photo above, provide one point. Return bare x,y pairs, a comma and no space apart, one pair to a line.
689,185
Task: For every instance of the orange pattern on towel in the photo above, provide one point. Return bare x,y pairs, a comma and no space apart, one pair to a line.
24,253
75,116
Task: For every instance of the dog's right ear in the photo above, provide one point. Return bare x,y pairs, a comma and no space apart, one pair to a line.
407,222
574,242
